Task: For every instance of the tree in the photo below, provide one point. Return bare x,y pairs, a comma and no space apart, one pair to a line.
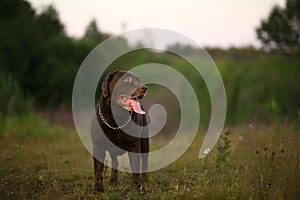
281,31
35,50
38,54
17,33
49,23
93,34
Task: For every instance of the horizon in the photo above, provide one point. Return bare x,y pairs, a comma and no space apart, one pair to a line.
231,24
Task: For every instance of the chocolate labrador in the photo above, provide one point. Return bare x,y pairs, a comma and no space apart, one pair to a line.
123,127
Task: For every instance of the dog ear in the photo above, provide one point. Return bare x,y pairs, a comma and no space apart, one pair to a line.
105,84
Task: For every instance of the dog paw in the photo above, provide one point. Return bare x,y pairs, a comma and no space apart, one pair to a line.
144,178
113,181
99,187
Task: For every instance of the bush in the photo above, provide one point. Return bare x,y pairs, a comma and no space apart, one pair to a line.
12,98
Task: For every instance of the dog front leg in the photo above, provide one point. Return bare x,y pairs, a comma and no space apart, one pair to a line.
145,155
98,171
145,150
144,167
134,159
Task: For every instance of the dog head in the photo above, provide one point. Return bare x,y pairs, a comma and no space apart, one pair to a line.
124,89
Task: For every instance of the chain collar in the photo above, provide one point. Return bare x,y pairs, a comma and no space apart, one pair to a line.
114,127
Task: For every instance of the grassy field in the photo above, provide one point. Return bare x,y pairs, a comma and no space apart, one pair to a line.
40,160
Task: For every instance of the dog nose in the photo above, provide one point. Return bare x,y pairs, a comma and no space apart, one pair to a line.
143,88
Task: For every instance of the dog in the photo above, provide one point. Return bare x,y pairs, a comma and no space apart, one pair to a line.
123,122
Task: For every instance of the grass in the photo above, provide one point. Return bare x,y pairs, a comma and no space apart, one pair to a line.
40,160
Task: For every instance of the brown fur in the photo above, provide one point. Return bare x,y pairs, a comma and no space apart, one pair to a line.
124,141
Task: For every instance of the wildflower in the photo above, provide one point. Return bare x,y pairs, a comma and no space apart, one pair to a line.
257,152
176,187
266,148
207,182
273,153
282,150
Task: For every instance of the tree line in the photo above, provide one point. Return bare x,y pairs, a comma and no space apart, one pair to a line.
39,62
37,52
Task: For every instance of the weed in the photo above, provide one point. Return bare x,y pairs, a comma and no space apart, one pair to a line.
224,151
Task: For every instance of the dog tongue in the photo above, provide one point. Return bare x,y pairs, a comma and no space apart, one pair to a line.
135,106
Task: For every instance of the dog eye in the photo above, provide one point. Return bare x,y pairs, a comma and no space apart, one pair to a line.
128,80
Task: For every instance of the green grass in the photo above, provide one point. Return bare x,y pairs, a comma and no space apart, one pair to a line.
40,160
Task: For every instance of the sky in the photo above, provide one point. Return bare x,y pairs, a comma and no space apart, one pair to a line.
213,23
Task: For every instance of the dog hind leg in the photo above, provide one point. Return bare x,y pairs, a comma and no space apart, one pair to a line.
114,169
98,170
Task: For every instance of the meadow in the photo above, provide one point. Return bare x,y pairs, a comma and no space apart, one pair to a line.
42,157
45,160
257,156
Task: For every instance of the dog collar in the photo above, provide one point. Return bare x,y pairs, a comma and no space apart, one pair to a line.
114,127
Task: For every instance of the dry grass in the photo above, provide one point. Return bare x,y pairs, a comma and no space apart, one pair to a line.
262,163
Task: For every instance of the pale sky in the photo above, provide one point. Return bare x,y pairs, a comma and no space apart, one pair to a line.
221,23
